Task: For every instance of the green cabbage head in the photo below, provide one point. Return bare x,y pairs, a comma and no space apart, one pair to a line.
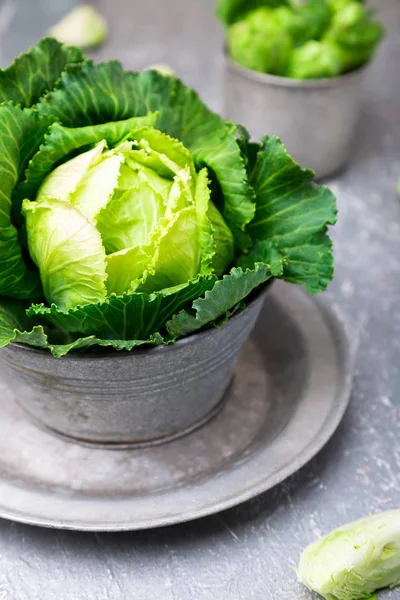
132,214
355,560
136,217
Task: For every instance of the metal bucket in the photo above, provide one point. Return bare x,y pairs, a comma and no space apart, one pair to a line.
315,118
142,397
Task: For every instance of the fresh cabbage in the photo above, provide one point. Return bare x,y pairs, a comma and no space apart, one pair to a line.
131,214
314,60
355,560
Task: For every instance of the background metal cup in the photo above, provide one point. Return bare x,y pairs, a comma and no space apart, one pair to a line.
315,118
130,398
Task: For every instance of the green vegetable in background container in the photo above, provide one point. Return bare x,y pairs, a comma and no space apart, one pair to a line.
354,35
338,5
314,60
230,11
313,39
304,22
354,561
131,214
259,42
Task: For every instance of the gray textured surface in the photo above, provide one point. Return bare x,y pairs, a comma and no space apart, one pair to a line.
247,552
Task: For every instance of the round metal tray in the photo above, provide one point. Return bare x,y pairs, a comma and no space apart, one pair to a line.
289,394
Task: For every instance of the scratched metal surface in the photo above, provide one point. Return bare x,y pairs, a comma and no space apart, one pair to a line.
247,552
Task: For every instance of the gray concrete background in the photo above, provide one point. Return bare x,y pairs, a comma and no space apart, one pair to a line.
248,552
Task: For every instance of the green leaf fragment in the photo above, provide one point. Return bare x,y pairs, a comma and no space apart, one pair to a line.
35,72
21,133
127,317
224,296
83,26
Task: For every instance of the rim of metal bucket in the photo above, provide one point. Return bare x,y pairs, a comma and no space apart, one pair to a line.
185,341
288,82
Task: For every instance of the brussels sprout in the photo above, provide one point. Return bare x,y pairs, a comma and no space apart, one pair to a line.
305,22
354,35
355,560
314,60
260,42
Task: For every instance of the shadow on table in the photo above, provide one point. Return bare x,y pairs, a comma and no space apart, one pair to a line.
296,491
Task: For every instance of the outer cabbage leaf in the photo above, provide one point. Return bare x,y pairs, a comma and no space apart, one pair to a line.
120,95
67,248
16,327
127,317
293,213
35,72
88,342
264,252
21,133
226,294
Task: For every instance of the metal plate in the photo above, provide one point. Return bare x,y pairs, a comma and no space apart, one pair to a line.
289,394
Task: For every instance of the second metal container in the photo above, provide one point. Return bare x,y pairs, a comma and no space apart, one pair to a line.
314,118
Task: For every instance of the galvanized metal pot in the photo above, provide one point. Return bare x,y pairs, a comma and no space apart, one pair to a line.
142,397
315,118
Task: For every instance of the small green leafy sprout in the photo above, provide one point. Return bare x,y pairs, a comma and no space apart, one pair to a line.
260,43
131,214
83,27
355,560
314,60
315,39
